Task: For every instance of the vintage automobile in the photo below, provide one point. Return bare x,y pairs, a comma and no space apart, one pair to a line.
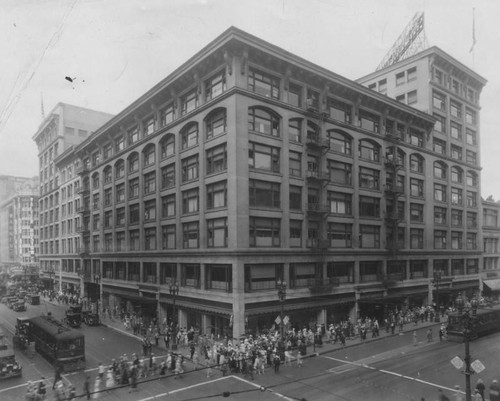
9,367
33,299
19,306
11,301
74,316
91,319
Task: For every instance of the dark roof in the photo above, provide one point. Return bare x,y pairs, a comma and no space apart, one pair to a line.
55,328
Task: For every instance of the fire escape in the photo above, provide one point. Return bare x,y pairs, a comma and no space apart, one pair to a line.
394,190
317,178
84,228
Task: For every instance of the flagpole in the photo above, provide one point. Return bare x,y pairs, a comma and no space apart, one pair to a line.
473,35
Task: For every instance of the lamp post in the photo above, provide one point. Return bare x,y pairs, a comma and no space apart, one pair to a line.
437,279
281,286
467,318
173,288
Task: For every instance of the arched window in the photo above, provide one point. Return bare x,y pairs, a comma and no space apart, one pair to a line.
457,175
95,181
189,135
471,178
263,121
108,175
340,142
148,155
416,163
440,170
369,150
119,168
167,146
215,123
133,162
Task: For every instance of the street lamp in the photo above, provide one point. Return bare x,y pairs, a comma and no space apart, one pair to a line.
467,318
173,287
281,286
437,279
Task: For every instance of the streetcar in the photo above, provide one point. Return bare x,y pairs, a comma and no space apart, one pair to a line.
59,344
487,321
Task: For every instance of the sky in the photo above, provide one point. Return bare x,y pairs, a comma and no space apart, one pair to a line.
116,50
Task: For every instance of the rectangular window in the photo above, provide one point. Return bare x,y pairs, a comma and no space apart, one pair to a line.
150,210
263,84
134,214
440,215
440,192
168,176
295,233
416,238
189,136
120,193
471,220
455,130
168,237
455,109
190,201
120,216
369,178
369,236
133,135
150,182
456,218
340,173
148,126
119,144
150,239
471,199
263,122
190,235
108,219
412,97
216,159
440,124
471,241
264,194
264,232
189,102
471,157
369,207
216,124
168,206
470,116
340,235
295,164
120,241
167,115
295,130
340,203
416,212
108,197
217,233
439,239
416,138
416,187
456,196
133,188
456,240
134,240
369,121
439,146
263,157
382,86
215,85
190,168
295,95
470,137
411,74
340,111
439,101
217,195
400,78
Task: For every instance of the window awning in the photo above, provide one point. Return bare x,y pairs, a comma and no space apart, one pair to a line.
494,285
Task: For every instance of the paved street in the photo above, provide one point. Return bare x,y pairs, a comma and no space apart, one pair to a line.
361,371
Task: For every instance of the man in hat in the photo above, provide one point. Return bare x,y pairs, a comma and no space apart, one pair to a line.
494,391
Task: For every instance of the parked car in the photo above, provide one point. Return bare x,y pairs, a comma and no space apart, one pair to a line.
19,306
33,299
91,319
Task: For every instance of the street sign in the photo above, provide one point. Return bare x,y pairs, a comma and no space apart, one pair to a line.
277,320
477,366
286,319
457,362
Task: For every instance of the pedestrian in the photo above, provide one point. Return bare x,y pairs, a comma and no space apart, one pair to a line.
57,376
42,391
276,362
86,387
299,359
101,369
133,379
415,340
494,391
429,335
477,396
72,393
166,339
441,334
480,387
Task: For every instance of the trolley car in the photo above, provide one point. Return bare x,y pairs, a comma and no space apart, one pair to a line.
59,344
487,321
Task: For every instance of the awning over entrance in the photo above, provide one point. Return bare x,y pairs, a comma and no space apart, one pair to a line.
493,285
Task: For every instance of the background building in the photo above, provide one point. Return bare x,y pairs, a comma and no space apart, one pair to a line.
64,127
491,259
19,222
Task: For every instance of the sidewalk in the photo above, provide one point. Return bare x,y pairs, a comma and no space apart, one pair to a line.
326,347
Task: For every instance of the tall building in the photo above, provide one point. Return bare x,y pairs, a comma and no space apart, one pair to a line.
63,128
19,223
349,196
491,259
438,84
